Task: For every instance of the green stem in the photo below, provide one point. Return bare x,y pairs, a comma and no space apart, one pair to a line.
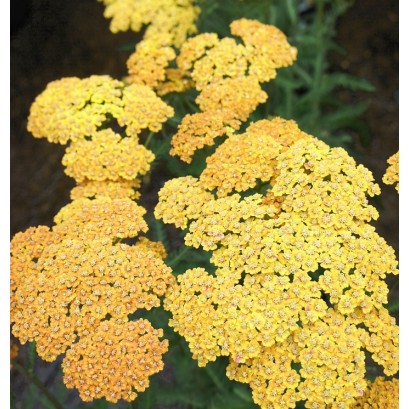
148,139
214,378
34,380
178,256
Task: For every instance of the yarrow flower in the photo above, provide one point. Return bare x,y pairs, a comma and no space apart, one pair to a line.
119,189
76,279
380,394
299,274
97,159
115,360
76,286
88,115
227,75
175,19
391,176
72,109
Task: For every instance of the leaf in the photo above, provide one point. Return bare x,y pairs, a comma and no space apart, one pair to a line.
331,81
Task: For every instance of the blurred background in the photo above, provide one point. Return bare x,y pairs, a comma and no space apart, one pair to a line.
51,39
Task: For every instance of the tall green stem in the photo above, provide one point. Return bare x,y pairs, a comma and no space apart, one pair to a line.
34,380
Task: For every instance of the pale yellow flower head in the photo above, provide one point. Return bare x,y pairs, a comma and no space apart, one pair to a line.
161,17
391,176
71,109
107,157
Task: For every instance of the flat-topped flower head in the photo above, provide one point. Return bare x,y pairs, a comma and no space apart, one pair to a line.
71,109
120,189
115,361
188,197
106,157
102,217
380,394
147,64
76,283
300,272
391,176
227,75
199,130
170,17
235,98
243,160
225,60
266,46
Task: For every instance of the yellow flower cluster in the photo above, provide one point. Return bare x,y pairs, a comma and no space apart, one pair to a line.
391,176
147,65
174,18
76,279
119,189
71,109
87,114
243,160
103,152
380,394
228,75
299,274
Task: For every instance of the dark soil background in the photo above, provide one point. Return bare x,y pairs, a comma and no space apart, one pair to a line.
51,39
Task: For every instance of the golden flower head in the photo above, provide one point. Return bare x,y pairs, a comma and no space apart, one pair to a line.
199,130
236,98
380,394
66,284
114,361
147,65
71,109
299,270
244,159
173,18
267,47
120,189
228,75
391,176
102,217
106,157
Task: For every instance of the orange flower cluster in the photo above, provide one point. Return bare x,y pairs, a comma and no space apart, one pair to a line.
228,75
299,277
176,19
391,176
116,359
71,281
